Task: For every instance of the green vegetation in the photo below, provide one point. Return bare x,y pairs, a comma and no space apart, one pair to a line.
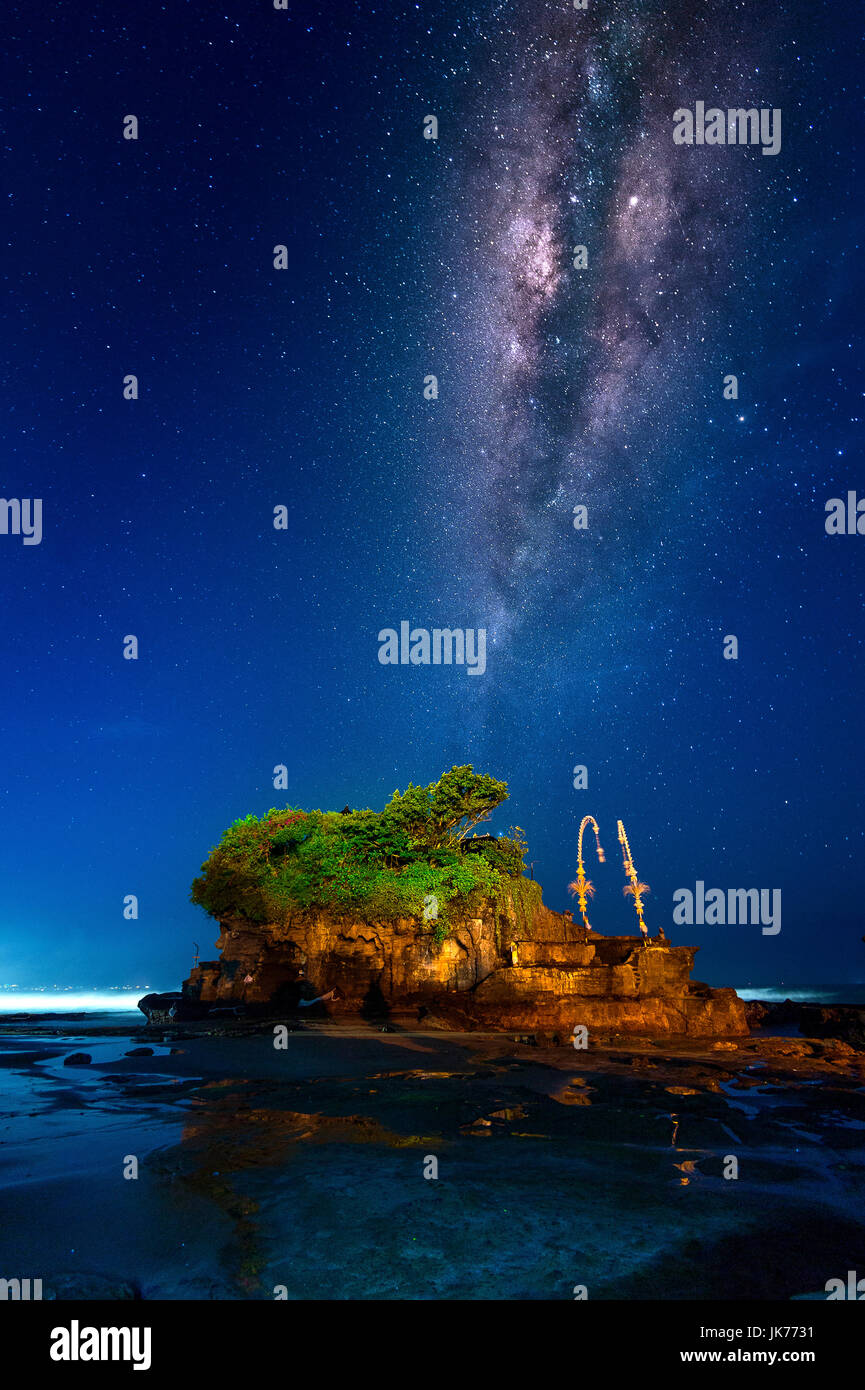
371,865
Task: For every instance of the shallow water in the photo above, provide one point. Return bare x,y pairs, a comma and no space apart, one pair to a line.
303,1170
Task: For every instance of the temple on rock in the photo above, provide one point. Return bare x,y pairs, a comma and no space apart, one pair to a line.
401,914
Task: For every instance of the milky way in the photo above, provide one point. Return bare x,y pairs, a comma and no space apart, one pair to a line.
577,376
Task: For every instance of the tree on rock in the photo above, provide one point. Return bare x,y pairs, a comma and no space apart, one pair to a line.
444,812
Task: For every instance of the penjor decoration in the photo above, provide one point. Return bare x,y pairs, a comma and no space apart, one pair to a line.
582,888
635,888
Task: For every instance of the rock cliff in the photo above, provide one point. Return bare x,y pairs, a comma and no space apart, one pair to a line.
512,967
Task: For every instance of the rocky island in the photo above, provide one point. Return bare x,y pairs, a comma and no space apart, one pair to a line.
408,913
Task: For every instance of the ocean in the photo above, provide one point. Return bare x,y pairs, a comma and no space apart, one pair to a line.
53,1000
804,994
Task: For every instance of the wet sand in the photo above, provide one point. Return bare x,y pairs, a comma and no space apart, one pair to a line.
301,1169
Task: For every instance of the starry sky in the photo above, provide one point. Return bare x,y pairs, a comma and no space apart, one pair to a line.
303,388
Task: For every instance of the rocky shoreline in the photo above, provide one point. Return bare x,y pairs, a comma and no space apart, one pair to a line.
843,1021
302,1166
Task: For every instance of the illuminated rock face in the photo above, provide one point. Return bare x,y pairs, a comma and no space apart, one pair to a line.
497,970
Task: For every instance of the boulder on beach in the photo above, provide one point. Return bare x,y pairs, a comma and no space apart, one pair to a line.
160,1008
171,1007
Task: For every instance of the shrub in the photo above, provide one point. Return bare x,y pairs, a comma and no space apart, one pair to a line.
367,864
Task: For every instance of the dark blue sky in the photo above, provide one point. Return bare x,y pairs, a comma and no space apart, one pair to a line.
304,388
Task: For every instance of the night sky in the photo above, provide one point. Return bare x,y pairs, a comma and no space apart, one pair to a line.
303,388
